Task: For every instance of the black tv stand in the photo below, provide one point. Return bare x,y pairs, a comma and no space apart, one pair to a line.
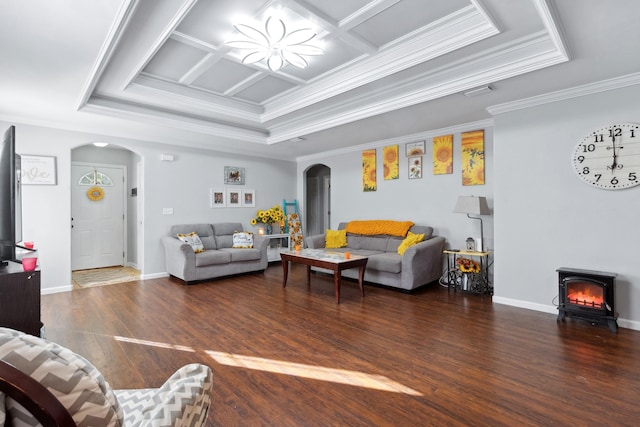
20,299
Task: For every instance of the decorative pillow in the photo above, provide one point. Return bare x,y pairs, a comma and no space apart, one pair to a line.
335,239
409,241
242,240
192,239
73,380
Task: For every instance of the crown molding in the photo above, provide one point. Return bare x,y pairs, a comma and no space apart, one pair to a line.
565,94
453,32
131,111
151,89
509,60
115,33
481,124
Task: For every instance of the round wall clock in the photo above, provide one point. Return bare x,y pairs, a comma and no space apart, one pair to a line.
609,157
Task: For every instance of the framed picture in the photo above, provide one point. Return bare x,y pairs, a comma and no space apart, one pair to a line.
38,170
233,175
249,198
415,167
415,148
234,198
217,198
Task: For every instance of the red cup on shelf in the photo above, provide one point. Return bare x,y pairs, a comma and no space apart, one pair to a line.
347,255
29,264
297,248
28,245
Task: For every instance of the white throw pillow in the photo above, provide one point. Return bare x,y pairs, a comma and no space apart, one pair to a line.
243,240
192,239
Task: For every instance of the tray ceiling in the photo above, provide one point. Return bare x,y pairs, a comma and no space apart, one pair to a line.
163,71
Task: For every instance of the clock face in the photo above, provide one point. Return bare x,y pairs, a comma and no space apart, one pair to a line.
609,157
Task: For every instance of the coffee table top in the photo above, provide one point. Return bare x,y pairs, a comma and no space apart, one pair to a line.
323,255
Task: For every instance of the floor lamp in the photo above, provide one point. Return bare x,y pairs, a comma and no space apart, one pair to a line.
472,205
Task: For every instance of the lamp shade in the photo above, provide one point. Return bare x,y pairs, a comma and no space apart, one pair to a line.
472,205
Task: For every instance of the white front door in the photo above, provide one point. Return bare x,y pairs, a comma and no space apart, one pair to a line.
97,226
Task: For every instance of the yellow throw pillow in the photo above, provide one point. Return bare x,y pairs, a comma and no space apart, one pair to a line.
409,241
335,239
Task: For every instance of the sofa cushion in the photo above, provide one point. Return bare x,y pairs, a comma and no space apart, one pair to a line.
193,240
422,229
374,243
393,243
335,239
213,258
389,262
243,240
223,232
242,254
204,231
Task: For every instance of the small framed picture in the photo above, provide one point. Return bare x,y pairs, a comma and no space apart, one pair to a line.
234,198
415,167
233,175
415,148
217,198
249,198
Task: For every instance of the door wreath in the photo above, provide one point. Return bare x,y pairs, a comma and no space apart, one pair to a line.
95,193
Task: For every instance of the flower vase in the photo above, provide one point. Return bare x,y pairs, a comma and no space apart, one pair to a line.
268,229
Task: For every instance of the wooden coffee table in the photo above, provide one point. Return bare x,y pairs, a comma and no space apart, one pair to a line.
334,261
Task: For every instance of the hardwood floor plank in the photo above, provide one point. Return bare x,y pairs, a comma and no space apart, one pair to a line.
293,357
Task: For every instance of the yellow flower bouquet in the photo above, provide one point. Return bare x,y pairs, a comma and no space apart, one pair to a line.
269,216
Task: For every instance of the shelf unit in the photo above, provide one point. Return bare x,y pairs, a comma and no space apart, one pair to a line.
277,244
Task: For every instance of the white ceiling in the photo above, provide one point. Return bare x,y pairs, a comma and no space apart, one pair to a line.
159,70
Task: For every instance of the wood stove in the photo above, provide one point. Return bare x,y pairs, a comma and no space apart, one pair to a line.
587,295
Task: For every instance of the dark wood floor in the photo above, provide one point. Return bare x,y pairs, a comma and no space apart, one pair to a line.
294,357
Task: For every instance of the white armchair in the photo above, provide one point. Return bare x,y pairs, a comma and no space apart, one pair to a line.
69,379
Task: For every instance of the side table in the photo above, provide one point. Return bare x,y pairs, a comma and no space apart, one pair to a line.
468,281
277,243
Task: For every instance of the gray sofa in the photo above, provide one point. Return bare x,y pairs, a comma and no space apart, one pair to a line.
419,265
218,259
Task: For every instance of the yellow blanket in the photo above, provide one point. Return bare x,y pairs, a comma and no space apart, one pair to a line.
373,227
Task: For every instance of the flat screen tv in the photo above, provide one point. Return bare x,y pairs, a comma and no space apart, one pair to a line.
10,197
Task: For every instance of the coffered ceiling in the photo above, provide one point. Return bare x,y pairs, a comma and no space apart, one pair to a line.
161,71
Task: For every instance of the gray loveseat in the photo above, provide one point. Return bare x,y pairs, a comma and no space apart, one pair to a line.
420,264
218,259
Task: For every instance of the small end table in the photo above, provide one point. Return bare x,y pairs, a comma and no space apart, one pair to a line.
468,281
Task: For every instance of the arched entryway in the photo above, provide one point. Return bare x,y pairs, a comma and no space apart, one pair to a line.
317,199
113,173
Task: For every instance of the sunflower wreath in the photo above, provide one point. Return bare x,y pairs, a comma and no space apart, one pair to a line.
95,193
466,265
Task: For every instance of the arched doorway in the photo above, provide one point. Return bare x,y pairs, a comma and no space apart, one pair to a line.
317,199
94,166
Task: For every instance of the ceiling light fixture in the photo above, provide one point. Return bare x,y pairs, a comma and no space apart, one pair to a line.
275,45
100,144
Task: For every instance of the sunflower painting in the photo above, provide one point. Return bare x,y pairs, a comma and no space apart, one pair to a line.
390,162
369,182
443,154
473,158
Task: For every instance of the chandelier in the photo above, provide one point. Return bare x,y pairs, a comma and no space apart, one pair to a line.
274,45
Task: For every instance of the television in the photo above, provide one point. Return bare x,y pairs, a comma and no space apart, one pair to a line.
10,197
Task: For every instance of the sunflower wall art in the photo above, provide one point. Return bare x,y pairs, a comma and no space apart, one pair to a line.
390,162
369,182
473,158
443,155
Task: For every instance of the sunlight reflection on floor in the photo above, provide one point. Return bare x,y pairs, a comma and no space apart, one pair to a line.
341,376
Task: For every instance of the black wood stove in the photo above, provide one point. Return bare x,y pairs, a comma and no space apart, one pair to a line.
587,295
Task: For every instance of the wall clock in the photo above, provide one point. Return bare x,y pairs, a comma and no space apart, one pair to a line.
609,157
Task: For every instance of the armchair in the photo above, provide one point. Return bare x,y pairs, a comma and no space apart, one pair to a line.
40,380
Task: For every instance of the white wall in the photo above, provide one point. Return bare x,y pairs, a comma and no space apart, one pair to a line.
546,218
182,185
425,201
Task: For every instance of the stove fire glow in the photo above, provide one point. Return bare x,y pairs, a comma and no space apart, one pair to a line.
585,295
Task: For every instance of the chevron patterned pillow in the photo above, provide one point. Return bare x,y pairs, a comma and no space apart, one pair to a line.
77,384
